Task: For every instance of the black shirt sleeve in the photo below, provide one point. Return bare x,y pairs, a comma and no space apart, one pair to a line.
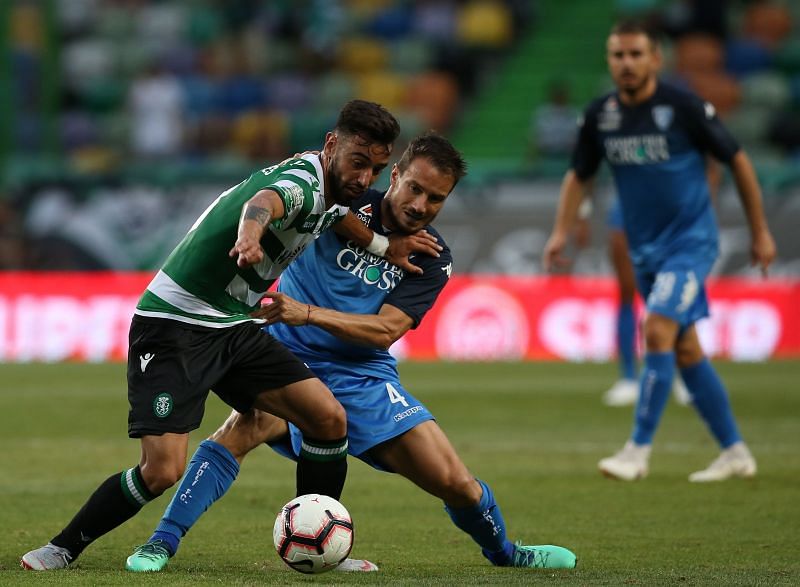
416,294
707,131
587,155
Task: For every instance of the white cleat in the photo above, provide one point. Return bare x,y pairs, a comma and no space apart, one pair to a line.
47,558
354,565
734,461
629,464
680,392
624,392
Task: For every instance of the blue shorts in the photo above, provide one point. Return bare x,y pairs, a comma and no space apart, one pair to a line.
614,216
378,409
677,290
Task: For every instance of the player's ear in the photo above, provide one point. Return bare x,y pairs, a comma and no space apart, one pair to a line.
395,174
331,138
658,56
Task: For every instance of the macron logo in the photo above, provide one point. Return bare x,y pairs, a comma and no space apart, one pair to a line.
145,360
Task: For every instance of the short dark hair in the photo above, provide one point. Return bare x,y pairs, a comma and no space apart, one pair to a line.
637,27
368,120
439,151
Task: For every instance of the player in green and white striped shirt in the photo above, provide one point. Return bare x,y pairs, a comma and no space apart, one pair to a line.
192,332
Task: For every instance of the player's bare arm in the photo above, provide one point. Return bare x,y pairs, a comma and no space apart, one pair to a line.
762,248
395,249
257,213
572,194
379,330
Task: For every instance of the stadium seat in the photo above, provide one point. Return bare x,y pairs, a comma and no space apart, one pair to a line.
787,58
767,89
744,57
383,87
749,124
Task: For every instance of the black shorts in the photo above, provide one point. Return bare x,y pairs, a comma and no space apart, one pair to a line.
172,366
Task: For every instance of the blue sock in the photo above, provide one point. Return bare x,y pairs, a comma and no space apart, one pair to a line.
656,382
484,522
626,340
711,401
210,473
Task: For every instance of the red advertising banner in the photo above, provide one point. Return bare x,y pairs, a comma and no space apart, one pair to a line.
85,317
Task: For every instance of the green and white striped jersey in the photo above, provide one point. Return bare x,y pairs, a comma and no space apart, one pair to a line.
200,284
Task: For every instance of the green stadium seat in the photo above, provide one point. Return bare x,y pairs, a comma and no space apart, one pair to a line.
787,57
749,124
767,89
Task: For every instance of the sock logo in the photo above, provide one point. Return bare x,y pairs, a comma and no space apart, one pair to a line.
145,360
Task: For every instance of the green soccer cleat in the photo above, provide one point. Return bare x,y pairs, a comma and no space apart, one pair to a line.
543,556
148,558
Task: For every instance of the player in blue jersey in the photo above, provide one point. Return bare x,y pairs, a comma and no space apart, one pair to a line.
655,138
204,339
372,304
625,390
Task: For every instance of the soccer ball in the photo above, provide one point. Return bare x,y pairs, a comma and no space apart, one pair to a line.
313,533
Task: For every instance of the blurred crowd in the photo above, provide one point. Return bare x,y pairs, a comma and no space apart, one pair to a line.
114,110
105,80
742,56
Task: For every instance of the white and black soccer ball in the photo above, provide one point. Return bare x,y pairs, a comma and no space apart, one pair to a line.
313,533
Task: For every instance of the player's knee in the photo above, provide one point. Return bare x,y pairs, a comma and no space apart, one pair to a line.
158,477
688,355
241,433
460,489
330,420
659,334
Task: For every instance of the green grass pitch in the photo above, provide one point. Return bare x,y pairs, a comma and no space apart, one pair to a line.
533,431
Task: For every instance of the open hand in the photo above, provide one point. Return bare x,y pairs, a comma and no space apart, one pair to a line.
400,247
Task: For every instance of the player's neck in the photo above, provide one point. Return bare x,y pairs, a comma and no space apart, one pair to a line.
323,160
641,95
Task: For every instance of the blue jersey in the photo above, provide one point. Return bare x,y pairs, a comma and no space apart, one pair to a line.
656,151
336,273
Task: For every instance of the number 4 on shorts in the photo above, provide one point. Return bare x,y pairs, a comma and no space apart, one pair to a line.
394,395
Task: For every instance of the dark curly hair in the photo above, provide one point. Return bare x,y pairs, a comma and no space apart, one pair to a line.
368,120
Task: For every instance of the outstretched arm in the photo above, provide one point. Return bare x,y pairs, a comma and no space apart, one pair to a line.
379,330
572,193
762,248
257,213
395,249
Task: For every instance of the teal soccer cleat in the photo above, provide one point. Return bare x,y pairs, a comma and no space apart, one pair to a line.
148,558
543,556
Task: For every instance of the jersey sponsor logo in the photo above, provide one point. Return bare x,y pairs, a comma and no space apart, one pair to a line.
636,150
371,269
145,360
162,405
364,213
663,115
